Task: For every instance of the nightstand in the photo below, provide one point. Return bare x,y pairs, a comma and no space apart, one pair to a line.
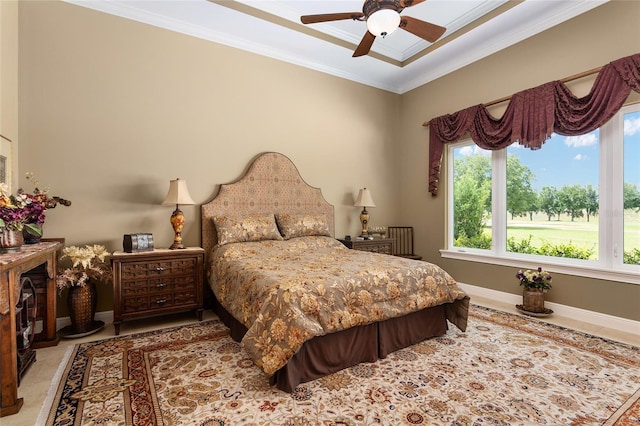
380,245
156,282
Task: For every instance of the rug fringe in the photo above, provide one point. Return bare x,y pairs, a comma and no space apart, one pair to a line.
53,387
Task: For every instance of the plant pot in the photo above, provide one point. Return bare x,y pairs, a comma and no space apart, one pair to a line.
82,302
30,238
533,300
11,241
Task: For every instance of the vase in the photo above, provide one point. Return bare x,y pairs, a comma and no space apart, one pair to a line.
533,300
11,241
81,303
30,238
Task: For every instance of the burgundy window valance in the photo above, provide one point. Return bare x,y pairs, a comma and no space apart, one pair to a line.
534,114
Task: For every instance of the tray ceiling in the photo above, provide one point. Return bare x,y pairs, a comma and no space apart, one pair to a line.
397,63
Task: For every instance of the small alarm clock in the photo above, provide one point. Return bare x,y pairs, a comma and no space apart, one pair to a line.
134,243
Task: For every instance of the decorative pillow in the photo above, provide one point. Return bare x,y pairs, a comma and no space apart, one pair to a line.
241,229
302,225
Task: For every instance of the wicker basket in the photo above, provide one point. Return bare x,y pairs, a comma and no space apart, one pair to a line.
82,302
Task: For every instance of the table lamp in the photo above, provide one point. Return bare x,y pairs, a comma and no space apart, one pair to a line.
364,200
178,194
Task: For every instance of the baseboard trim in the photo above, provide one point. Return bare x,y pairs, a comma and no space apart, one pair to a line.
590,317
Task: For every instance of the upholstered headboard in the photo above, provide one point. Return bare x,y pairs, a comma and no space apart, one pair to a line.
272,184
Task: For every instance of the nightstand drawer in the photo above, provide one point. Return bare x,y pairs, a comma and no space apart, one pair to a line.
135,270
155,301
158,285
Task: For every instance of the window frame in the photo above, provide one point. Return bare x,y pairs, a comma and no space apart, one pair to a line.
609,265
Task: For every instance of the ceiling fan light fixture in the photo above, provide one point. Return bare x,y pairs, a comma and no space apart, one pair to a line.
383,22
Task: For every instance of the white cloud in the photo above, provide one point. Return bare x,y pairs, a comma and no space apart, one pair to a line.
581,157
583,140
631,126
473,150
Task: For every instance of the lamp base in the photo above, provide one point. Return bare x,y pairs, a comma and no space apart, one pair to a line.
364,220
177,221
176,246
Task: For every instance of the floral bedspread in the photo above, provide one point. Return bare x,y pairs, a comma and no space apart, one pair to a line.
287,292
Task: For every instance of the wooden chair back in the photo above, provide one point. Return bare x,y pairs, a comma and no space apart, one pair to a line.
403,241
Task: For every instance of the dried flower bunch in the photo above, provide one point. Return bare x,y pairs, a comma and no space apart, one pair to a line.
534,279
87,263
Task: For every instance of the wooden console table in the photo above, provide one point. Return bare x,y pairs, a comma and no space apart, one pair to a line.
12,266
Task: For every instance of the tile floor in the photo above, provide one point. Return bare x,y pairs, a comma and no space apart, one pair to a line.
36,383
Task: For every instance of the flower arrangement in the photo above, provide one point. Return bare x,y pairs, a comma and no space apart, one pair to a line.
534,279
26,210
14,211
88,262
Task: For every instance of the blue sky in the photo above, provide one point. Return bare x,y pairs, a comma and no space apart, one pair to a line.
574,160
563,161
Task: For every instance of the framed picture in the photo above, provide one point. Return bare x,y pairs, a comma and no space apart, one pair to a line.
3,169
5,161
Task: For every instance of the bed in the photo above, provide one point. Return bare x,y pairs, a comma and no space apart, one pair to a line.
303,305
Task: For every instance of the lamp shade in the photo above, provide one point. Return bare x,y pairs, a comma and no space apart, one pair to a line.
178,194
364,199
383,22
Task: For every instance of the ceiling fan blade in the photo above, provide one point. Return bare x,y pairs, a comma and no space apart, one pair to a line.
365,45
426,30
326,17
409,3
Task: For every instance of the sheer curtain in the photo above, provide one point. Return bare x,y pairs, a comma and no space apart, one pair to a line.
534,114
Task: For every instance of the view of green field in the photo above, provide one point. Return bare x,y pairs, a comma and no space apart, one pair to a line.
579,232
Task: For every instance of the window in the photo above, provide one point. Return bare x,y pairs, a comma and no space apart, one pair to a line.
552,197
471,196
631,189
575,203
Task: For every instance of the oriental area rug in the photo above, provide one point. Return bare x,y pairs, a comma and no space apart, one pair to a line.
504,370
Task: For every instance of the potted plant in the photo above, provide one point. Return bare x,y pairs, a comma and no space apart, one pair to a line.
89,264
14,215
535,283
22,215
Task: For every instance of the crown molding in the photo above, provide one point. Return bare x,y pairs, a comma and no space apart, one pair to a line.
305,48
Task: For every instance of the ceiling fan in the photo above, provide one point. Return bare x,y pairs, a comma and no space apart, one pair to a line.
382,18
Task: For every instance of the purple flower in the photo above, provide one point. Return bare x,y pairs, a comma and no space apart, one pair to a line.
536,278
35,210
13,217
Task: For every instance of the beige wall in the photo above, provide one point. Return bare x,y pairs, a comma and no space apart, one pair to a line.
9,83
111,110
586,42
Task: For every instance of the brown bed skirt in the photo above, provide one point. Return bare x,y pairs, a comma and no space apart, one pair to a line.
327,354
